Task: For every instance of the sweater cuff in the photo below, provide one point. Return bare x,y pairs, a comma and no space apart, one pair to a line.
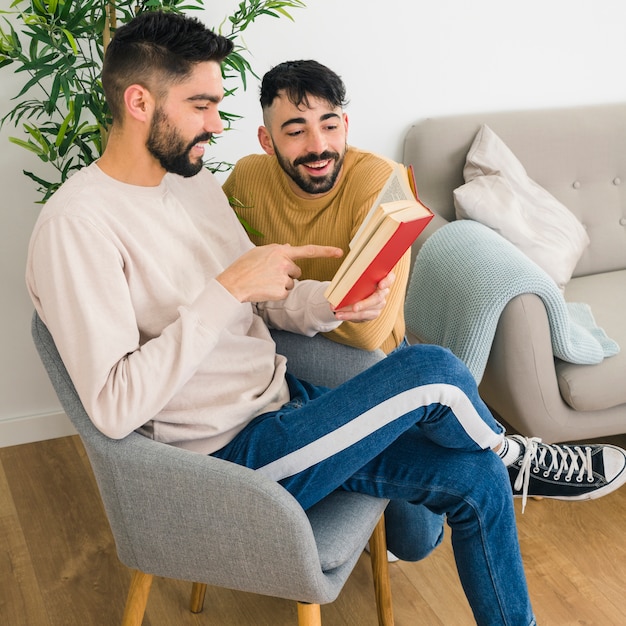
321,311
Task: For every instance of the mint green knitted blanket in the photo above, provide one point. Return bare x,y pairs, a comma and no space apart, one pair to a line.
463,277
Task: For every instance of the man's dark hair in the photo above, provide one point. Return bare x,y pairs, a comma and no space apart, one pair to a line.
301,79
157,49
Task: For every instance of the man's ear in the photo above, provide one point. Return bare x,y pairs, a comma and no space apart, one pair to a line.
139,103
265,140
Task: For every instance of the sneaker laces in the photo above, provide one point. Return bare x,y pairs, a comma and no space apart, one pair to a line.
566,460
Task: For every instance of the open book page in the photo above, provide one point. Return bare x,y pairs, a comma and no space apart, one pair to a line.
397,187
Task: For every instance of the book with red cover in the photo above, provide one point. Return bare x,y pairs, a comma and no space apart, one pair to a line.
390,231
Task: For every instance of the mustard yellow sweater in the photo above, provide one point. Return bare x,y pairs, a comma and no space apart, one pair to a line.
258,182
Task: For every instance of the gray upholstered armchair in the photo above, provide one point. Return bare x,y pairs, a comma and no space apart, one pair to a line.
188,516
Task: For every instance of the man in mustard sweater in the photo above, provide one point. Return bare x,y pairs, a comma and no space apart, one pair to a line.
311,186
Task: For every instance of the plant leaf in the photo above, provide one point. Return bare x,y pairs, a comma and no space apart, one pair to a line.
29,145
46,71
71,40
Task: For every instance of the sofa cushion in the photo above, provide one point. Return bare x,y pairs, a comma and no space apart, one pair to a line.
597,387
499,193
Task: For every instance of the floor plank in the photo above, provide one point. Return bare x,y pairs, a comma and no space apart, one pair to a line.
21,601
66,530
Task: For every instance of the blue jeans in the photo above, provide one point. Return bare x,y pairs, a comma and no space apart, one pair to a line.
411,428
412,530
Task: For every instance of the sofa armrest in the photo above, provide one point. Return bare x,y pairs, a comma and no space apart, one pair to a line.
520,382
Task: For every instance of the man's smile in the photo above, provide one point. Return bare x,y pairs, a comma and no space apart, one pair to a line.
318,166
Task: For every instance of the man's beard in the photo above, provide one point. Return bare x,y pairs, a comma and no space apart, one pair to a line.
170,149
312,184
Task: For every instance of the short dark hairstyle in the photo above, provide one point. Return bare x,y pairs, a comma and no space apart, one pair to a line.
300,79
156,49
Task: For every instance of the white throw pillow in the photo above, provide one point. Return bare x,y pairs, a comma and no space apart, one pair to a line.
499,193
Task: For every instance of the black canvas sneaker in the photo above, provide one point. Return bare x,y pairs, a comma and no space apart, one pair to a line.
565,472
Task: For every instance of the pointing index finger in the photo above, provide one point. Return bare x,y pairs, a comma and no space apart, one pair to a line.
311,251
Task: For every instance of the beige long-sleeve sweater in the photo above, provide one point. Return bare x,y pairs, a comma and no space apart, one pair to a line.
124,278
274,210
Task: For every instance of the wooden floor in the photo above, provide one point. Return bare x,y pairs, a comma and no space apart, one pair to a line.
58,565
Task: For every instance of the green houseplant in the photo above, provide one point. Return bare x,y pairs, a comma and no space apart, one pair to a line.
58,46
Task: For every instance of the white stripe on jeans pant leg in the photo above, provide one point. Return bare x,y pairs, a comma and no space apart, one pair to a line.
379,416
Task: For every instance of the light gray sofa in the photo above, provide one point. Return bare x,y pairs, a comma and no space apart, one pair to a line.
578,155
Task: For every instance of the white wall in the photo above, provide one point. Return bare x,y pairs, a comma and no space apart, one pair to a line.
402,60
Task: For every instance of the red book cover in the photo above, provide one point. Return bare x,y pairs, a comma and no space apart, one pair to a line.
389,255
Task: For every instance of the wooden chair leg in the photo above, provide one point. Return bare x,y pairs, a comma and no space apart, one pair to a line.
137,598
380,571
198,591
309,614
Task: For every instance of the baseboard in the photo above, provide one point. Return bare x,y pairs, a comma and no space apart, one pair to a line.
29,428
